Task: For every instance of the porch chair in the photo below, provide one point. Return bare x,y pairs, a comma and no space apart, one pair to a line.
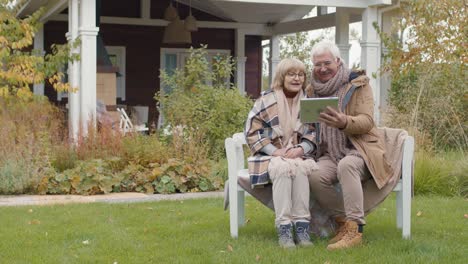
126,124
237,168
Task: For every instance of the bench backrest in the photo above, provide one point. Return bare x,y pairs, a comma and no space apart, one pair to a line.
236,159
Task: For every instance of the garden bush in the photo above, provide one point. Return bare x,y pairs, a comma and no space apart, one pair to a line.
30,130
444,173
36,157
199,102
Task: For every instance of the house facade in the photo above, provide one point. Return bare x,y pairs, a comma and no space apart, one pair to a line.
133,34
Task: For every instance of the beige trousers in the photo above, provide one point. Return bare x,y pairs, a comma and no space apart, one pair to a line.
350,172
290,189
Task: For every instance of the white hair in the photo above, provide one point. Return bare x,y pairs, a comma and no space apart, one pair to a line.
324,46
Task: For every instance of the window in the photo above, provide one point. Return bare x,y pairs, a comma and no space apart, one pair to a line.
172,59
117,57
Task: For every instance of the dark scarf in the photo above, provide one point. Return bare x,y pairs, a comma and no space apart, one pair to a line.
333,138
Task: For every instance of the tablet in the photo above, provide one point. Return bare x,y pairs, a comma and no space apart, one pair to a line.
312,107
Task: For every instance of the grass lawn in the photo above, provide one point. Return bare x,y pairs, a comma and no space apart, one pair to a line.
197,231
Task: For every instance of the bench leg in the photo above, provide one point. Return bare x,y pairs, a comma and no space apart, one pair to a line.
236,209
406,211
241,207
399,209
233,211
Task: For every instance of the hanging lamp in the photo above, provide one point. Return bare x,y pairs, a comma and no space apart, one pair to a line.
170,14
175,33
190,21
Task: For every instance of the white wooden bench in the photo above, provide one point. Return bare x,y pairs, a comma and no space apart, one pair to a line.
236,194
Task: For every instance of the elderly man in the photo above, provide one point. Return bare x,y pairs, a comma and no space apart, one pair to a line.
347,146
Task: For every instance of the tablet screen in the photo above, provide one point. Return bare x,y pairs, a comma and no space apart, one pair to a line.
312,107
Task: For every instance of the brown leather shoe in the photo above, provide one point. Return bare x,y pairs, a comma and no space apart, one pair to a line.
350,238
340,231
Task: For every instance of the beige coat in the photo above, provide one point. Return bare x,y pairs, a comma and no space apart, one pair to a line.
362,132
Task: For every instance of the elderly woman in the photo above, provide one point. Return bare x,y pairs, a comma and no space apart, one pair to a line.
280,146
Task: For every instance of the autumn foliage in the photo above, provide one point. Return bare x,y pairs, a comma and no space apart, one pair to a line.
428,65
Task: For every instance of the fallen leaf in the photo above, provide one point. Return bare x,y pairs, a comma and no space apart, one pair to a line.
34,222
247,221
257,258
466,215
419,213
86,242
30,210
229,248
149,208
326,262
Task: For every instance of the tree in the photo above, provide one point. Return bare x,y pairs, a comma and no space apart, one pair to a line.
21,66
299,46
428,66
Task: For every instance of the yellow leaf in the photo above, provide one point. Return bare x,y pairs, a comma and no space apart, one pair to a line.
34,222
229,248
466,215
257,258
419,213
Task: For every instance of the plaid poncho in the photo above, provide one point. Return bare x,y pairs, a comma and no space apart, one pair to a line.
262,128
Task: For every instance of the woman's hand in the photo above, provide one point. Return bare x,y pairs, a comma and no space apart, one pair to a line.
333,118
279,152
289,153
295,152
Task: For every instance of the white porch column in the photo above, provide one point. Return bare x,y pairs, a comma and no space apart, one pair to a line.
241,59
73,73
342,33
274,56
370,55
88,32
39,45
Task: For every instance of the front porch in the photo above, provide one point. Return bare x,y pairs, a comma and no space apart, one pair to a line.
136,28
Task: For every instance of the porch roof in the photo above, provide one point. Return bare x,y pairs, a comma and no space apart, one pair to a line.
268,12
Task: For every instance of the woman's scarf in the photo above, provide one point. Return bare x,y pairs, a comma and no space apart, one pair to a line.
333,138
287,116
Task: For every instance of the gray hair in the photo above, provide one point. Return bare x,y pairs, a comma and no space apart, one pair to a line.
324,46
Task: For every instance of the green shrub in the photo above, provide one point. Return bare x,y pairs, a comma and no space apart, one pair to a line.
443,174
209,112
64,158
433,101
15,177
144,149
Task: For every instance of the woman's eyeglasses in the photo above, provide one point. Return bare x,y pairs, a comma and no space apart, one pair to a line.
294,75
